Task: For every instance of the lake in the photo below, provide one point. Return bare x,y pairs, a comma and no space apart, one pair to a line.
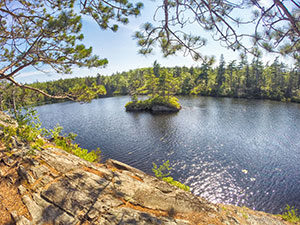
238,151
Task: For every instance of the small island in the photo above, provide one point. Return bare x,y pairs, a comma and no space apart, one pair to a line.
155,104
160,86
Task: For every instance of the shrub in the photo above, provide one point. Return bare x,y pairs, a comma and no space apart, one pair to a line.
290,214
7,137
156,100
66,143
29,131
163,171
176,183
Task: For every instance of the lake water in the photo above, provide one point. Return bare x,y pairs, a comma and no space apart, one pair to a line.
237,151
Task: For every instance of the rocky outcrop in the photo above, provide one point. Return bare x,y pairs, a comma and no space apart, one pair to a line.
163,108
59,188
151,108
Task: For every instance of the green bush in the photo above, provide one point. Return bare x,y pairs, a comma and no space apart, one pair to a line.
168,101
7,137
156,100
66,143
290,214
163,172
29,132
176,183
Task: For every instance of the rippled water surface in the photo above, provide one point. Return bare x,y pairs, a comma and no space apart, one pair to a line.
238,151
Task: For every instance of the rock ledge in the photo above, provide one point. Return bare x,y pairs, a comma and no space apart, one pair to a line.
59,188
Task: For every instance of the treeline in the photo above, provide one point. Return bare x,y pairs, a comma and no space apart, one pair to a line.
241,79
85,89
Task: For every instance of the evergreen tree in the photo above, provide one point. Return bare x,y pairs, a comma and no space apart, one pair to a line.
232,76
156,68
220,74
177,72
257,70
167,85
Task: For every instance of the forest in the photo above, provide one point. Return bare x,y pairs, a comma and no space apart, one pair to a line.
238,79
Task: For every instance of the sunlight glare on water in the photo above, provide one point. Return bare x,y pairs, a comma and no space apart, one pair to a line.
237,151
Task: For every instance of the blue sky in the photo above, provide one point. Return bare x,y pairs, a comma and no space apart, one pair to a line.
122,52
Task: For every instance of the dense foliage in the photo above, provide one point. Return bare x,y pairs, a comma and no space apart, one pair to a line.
240,79
160,86
29,132
291,214
85,89
147,105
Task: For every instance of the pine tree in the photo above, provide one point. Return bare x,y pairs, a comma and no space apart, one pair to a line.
220,75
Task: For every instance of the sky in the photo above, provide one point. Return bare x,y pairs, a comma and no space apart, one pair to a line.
121,50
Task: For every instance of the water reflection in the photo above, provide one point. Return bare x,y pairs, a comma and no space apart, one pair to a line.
237,151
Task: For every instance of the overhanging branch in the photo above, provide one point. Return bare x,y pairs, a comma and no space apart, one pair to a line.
40,91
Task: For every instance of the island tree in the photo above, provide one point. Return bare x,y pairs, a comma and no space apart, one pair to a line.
161,86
